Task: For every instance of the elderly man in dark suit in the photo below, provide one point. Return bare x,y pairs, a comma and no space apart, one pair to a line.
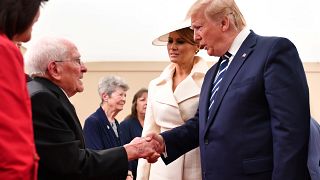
253,116
54,64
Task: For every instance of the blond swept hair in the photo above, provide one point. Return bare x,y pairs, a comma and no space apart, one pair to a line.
215,9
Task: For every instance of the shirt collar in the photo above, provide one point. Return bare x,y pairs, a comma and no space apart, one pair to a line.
237,42
64,93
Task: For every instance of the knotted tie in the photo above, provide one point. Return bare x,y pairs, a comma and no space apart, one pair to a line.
222,69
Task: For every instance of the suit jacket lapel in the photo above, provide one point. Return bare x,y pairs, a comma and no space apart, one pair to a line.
190,85
164,84
166,95
205,98
103,119
66,104
206,88
69,107
238,60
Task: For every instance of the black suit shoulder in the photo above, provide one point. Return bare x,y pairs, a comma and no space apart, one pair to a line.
35,87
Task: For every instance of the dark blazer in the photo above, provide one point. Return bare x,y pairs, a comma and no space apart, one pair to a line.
131,128
59,139
98,132
259,124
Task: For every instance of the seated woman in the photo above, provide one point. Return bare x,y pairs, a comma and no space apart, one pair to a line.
101,129
132,125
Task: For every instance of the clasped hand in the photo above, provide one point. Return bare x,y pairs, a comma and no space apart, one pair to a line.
149,147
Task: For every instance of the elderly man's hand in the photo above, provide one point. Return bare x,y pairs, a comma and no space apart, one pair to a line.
141,148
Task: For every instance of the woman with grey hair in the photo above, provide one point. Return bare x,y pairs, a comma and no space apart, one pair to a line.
101,128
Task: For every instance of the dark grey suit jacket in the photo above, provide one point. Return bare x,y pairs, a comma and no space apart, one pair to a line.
60,143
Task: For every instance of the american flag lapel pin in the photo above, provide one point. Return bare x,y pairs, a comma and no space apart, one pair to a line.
244,55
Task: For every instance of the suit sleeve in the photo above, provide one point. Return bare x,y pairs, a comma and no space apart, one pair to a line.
59,149
181,139
149,126
286,91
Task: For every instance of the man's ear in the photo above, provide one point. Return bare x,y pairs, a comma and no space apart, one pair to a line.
225,23
54,70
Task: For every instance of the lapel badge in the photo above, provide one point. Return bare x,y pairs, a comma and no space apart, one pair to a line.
244,55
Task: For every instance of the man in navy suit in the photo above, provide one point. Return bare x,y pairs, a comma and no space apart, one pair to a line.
257,127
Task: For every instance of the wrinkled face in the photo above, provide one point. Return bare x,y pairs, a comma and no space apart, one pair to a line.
179,50
208,34
26,35
72,70
142,103
117,99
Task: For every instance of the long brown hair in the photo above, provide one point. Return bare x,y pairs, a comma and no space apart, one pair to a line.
137,95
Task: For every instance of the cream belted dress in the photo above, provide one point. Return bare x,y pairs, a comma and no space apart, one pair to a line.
166,110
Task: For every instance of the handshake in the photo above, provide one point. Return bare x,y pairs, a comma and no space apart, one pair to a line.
149,147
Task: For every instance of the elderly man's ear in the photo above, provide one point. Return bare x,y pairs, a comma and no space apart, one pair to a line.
54,71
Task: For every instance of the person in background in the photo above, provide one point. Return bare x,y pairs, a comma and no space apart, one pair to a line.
314,150
18,159
253,118
173,98
101,129
56,68
132,125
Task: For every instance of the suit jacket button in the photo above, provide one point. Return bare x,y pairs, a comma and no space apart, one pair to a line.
206,141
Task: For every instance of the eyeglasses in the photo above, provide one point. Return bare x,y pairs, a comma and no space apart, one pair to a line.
78,61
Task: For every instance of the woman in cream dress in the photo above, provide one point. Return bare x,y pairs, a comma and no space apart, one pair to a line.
172,99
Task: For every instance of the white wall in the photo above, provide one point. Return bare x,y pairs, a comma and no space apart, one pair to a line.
123,29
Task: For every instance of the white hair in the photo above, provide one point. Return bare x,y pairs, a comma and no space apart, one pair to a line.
45,50
213,9
109,84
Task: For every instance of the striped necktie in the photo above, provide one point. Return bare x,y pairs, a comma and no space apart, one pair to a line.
222,69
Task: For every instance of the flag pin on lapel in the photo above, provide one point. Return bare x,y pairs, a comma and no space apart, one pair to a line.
244,55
